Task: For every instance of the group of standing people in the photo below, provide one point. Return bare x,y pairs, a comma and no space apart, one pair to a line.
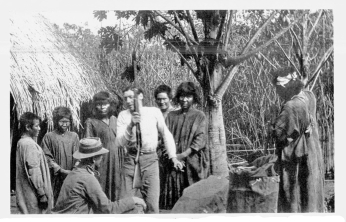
95,174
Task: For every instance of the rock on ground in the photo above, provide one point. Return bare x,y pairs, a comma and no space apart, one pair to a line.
206,196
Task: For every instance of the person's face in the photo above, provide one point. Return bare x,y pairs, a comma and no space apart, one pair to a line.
163,101
63,124
102,108
98,160
35,129
186,101
129,97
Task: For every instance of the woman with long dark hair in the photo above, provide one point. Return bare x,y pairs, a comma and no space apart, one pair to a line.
104,126
59,146
189,128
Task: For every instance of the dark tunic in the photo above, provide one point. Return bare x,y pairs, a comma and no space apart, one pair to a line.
59,149
300,160
189,131
110,169
162,155
81,193
32,177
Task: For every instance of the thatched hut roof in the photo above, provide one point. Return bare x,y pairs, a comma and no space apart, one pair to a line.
45,72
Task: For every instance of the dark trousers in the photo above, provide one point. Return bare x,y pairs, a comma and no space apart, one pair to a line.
150,189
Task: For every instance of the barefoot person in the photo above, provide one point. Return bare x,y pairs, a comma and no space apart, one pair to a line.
33,187
59,146
189,128
81,192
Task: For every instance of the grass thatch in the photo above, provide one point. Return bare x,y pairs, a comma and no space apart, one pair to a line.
45,72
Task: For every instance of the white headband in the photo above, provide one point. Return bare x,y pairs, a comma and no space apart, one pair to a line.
283,80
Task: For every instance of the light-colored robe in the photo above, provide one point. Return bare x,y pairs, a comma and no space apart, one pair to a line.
32,177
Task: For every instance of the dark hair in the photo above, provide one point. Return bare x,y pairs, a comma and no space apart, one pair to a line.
163,89
134,89
101,96
59,113
292,87
104,96
27,119
187,88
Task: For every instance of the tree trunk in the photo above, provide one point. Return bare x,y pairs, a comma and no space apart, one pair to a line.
216,129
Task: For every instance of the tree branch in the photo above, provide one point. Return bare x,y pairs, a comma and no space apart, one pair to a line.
241,58
292,63
181,56
267,60
256,35
220,91
234,61
315,24
319,66
218,37
181,26
304,59
192,25
228,31
176,27
297,40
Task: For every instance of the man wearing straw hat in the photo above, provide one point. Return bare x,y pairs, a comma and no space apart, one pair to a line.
81,192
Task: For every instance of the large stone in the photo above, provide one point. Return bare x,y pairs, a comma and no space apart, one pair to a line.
206,196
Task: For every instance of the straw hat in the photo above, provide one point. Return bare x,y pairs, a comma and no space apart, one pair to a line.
88,147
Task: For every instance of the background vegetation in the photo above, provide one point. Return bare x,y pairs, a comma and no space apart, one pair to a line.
250,103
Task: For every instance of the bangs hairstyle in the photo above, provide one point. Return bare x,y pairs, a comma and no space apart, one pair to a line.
163,89
187,88
105,97
294,85
27,119
59,113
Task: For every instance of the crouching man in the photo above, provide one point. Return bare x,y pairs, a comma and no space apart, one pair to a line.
81,193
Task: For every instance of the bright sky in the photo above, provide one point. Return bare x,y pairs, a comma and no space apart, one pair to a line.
83,18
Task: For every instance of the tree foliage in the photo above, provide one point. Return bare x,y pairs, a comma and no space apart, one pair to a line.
217,44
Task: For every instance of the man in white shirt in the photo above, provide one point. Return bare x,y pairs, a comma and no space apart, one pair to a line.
151,123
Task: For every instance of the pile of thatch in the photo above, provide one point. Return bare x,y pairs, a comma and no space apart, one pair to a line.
45,72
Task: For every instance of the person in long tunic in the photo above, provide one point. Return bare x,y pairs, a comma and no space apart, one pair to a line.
300,162
81,193
163,98
33,186
59,146
189,128
104,126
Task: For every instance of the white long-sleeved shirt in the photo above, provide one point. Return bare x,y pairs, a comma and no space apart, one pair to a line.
152,123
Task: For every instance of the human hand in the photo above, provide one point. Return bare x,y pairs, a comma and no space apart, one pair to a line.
43,202
177,164
136,118
139,201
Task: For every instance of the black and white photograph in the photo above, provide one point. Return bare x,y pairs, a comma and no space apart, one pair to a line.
172,111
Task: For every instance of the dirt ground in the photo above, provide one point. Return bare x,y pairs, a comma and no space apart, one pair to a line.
328,192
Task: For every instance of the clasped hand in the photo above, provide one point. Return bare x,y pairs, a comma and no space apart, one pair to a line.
136,118
177,164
